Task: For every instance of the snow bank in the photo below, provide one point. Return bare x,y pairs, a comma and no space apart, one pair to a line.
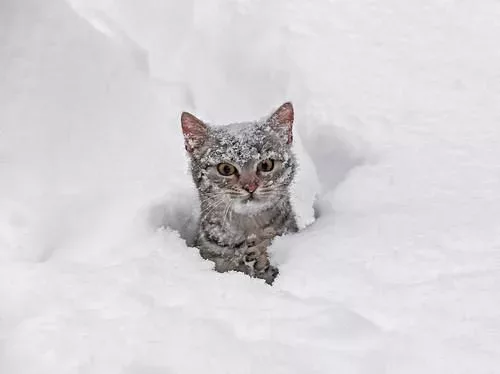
89,282
64,126
397,108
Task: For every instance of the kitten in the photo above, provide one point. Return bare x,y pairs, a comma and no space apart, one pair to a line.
243,172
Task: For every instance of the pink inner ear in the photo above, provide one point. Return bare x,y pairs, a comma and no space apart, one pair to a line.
194,130
284,114
283,119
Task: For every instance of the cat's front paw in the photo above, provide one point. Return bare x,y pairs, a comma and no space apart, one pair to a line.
257,260
269,274
256,257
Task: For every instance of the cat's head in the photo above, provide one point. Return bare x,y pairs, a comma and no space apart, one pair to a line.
247,166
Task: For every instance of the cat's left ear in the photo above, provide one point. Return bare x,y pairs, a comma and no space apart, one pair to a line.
194,130
282,121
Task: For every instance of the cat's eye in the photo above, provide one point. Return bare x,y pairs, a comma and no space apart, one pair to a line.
226,169
266,165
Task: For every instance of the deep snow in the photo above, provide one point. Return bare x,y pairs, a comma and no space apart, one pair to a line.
398,131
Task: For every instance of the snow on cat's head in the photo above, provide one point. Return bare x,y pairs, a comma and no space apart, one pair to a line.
248,166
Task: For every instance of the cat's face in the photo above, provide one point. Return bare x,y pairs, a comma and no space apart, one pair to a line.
246,167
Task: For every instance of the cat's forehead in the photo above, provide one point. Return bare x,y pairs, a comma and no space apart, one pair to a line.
237,129
242,142
242,133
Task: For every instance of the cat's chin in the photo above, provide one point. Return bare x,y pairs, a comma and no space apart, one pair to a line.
250,207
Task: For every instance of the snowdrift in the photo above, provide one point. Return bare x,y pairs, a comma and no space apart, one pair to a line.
398,133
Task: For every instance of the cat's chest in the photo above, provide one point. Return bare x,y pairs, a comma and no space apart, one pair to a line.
243,227
234,229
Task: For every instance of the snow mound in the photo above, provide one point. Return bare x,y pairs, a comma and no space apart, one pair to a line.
397,134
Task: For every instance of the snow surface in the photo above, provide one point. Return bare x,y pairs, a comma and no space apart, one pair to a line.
398,116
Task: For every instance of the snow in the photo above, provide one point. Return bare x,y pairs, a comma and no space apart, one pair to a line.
397,128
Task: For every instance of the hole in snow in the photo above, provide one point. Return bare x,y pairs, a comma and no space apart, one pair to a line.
332,154
179,212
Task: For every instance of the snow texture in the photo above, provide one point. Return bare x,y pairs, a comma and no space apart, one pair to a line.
397,126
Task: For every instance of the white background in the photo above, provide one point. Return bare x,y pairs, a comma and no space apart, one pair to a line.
398,131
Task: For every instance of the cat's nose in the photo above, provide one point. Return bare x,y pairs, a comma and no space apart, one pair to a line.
250,187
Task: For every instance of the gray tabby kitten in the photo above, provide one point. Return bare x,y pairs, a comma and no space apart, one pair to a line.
243,172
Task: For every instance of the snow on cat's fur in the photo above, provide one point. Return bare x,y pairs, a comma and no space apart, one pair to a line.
243,172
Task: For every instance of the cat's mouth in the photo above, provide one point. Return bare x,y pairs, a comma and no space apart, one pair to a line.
249,204
255,198
250,197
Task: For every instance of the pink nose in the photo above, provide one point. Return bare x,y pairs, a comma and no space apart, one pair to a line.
250,187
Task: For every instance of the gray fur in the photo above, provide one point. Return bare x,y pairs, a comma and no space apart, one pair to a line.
234,232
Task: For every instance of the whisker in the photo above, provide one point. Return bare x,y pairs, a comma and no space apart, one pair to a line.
209,206
226,210
212,207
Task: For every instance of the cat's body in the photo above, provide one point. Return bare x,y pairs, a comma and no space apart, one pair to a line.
243,173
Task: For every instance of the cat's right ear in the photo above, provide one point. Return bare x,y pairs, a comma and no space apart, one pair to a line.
194,130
